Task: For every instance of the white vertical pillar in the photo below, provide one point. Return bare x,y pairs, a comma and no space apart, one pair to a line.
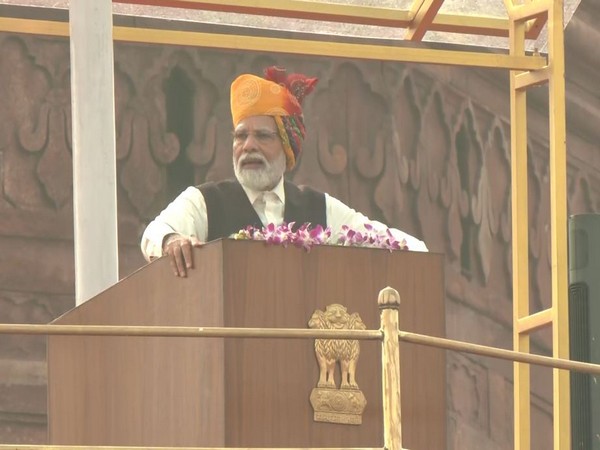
94,153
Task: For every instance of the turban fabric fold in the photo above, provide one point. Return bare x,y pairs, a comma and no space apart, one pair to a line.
278,95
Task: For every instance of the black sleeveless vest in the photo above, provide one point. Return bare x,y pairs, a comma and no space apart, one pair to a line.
229,210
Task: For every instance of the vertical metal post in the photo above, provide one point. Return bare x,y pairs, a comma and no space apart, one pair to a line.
94,153
558,224
389,303
555,72
520,240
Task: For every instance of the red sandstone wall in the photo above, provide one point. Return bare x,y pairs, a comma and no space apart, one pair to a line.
424,149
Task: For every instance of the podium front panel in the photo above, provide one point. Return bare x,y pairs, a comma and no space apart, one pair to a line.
215,392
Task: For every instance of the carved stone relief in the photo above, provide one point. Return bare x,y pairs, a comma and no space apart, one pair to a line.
581,196
404,147
474,248
434,175
36,149
401,148
351,126
491,211
387,138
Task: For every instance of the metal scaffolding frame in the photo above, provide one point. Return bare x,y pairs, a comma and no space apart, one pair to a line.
525,22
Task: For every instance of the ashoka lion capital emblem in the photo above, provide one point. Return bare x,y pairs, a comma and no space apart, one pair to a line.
346,404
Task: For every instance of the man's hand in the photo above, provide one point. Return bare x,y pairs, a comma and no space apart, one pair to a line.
179,249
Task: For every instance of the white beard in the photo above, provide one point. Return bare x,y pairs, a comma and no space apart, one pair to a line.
262,179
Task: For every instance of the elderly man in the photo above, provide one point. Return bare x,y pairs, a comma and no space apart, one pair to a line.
267,141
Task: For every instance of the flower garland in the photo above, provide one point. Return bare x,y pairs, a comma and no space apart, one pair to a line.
306,237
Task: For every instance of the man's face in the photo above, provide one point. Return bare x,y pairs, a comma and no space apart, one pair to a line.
258,156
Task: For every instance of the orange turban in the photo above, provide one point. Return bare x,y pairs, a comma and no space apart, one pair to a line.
277,95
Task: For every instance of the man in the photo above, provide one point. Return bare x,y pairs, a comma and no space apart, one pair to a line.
267,141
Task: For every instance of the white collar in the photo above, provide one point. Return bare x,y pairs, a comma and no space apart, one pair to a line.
277,190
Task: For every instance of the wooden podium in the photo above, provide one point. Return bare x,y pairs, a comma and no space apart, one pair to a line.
215,392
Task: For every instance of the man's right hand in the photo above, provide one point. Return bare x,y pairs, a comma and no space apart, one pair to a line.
179,250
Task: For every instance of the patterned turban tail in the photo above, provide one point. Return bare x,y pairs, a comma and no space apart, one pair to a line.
278,95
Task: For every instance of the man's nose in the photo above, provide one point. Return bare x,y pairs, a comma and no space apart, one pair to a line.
250,144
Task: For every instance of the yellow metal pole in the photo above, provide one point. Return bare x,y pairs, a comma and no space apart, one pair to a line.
333,49
289,46
389,303
127,447
424,13
166,331
327,11
558,223
294,333
520,241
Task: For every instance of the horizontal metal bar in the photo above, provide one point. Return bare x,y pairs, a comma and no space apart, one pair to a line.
345,13
535,321
530,79
531,10
34,26
293,46
293,333
473,25
499,353
211,332
113,447
461,24
387,17
293,9
332,49
342,13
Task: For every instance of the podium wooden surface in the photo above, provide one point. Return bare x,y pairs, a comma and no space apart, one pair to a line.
166,391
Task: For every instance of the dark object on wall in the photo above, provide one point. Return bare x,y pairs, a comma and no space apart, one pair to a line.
584,325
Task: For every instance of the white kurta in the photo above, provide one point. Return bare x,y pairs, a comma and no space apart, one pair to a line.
187,215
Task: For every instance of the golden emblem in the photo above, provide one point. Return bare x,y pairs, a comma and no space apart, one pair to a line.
346,404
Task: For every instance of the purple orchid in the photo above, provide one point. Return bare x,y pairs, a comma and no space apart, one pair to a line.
306,236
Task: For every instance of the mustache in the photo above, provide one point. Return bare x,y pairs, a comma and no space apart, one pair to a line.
252,158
